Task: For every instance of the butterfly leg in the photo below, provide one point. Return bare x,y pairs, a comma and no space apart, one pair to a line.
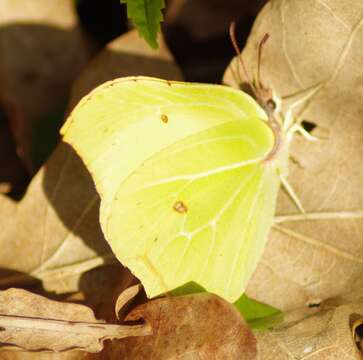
290,191
305,97
299,129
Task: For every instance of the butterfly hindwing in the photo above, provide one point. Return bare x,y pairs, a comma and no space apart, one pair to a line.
192,211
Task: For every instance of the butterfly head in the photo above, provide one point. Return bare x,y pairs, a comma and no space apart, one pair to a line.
268,100
265,96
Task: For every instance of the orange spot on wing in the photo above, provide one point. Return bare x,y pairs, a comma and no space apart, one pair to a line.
180,207
164,118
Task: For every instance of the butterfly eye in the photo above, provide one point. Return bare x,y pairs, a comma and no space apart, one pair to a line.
270,105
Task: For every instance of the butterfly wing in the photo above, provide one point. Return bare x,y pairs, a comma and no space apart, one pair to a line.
185,195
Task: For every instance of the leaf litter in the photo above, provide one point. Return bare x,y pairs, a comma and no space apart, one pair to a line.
312,258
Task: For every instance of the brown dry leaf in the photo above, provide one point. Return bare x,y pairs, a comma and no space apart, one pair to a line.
34,323
201,326
125,297
357,333
317,45
53,234
113,281
326,335
42,49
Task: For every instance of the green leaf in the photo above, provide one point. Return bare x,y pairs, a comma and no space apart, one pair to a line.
258,315
146,14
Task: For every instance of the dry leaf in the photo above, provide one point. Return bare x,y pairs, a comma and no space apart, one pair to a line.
42,49
115,281
314,46
356,325
32,322
326,335
125,297
201,326
53,233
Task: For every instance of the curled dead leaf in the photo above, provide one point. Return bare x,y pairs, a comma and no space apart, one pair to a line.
356,321
125,297
200,326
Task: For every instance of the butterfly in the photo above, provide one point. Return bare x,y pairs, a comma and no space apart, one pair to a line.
188,176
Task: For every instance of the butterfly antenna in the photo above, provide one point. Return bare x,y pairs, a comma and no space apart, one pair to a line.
232,35
260,47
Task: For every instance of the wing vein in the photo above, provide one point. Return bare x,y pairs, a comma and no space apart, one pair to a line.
214,220
250,214
204,173
220,213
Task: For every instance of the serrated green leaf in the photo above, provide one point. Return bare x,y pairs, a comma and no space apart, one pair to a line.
146,14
